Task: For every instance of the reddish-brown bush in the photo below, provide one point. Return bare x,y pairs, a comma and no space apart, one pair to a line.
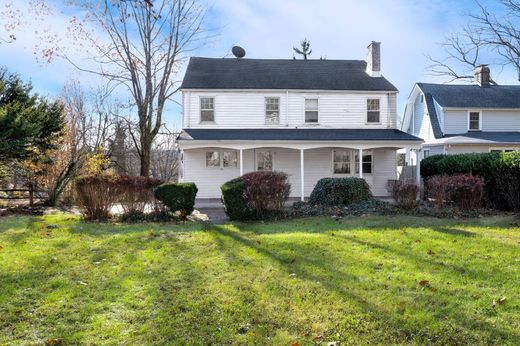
404,192
96,195
437,190
135,193
466,190
266,191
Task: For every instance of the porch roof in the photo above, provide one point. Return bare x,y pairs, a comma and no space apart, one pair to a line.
481,137
297,134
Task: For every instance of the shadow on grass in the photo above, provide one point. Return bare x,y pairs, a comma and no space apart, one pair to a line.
454,231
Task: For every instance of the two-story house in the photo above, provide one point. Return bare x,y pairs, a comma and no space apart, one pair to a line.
308,118
473,118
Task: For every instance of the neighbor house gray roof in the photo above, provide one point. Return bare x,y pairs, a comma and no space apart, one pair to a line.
232,73
467,96
297,134
479,137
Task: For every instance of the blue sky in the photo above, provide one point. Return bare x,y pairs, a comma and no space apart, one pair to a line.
337,29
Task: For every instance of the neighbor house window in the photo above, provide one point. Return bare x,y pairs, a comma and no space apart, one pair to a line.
264,161
229,159
474,121
341,161
212,159
367,162
502,150
272,110
373,111
426,153
221,159
311,110
207,109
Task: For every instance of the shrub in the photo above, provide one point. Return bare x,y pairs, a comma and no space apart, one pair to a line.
234,200
404,192
466,191
135,193
340,191
178,197
266,191
500,171
96,195
437,190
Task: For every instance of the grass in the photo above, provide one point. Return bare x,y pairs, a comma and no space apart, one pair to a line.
307,281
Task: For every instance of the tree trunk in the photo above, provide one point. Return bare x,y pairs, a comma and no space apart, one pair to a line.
146,150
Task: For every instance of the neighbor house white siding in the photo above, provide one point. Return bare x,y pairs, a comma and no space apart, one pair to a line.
318,164
246,109
456,121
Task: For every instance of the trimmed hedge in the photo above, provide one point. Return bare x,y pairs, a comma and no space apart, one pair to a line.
340,191
178,197
500,171
234,200
255,195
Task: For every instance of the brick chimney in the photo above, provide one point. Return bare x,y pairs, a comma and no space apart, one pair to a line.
374,59
483,75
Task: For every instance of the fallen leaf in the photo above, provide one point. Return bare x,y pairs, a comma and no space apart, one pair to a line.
317,338
424,283
53,342
499,301
430,252
295,343
82,283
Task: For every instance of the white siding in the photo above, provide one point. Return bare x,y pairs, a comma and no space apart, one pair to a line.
476,148
435,149
318,164
456,121
246,109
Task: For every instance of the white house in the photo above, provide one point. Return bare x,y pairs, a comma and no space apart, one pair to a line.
308,118
454,119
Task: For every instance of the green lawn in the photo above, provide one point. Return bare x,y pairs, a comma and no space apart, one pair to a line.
308,281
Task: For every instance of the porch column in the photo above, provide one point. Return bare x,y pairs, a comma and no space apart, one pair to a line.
241,159
418,166
302,175
360,163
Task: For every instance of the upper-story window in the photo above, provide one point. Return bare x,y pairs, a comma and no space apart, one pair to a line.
474,121
373,112
207,109
272,110
311,110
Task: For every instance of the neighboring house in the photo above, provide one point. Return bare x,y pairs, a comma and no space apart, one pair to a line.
455,119
308,118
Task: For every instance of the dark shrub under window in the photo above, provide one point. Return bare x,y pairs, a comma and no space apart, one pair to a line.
404,192
178,197
340,191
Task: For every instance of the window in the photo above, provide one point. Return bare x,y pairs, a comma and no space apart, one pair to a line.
311,110
221,159
373,111
207,109
426,153
367,162
229,159
264,161
502,150
272,110
212,159
474,121
341,161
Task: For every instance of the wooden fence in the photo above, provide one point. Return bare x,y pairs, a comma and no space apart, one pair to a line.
29,193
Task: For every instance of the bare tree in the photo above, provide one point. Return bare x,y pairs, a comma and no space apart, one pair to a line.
143,47
165,156
488,36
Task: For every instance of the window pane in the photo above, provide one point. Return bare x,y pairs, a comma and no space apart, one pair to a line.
265,161
272,110
342,168
367,167
341,156
229,159
367,162
311,117
311,104
207,116
212,159
474,120
373,117
373,104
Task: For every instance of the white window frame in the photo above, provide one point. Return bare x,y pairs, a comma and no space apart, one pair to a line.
366,111
350,152
317,110
479,120
279,110
221,159
201,110
272,160
503,149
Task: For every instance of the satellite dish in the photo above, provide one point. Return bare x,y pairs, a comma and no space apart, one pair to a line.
238,51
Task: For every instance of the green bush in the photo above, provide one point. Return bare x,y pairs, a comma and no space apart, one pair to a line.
234,199
177,197
340,191
500,171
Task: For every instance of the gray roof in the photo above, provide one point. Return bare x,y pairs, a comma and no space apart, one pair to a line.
297,134
478,137
232,73
474,96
